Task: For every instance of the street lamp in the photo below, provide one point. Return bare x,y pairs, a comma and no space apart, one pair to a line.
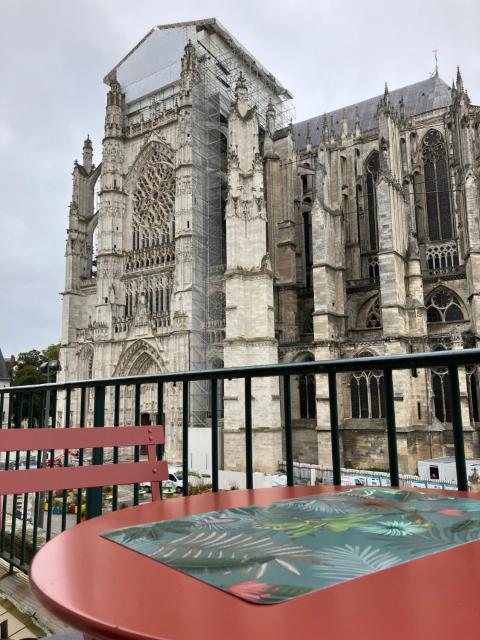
49,369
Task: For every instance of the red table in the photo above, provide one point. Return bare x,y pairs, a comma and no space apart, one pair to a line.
111,592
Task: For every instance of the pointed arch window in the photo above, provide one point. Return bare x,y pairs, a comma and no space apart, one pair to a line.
441,391
472,387
443,306
372,167
307,392
374,316
367,393
437,189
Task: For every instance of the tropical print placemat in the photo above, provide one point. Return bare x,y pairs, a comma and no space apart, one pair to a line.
292,547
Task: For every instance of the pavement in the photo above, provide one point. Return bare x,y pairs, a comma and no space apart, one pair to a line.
26,617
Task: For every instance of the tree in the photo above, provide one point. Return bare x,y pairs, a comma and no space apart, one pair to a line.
25,370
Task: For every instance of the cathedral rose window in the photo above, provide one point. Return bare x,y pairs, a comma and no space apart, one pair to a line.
154,197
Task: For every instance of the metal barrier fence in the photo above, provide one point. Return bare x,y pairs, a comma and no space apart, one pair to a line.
27,402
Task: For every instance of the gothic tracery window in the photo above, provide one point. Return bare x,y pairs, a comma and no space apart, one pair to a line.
372,169
306,388
154,196
472,387
443,306
367,393
307,393
437,192
374,316
441,391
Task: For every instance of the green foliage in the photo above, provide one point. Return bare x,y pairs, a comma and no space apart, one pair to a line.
25,370
26,367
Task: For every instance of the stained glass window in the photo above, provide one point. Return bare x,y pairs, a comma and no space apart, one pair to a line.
372,167
437,190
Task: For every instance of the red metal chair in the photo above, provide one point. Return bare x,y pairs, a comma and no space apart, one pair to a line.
57,478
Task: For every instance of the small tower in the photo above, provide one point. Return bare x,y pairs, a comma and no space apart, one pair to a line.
87,155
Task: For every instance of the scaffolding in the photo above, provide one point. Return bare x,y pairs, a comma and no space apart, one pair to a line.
212,96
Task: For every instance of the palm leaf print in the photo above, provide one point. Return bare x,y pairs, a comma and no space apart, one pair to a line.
351,561
203,550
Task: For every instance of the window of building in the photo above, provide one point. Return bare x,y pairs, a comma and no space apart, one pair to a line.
472,387
441,391
443,306
372,170
307,392
307,231
374,316
437,190
367,393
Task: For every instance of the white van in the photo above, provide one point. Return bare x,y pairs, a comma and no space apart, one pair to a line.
174,481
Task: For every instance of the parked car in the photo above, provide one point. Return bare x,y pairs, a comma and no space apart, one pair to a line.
174,480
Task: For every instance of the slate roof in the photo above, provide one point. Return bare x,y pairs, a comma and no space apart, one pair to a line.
421,97
4,372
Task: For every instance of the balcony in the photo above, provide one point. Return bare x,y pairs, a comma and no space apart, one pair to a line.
29,521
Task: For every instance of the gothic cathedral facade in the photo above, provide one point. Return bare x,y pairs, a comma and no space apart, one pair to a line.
217,233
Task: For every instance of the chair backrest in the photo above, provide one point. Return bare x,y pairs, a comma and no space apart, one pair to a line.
50,479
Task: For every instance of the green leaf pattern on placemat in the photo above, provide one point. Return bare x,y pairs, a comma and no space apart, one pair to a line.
292,547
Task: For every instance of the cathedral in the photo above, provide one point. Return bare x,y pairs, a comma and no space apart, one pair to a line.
216,232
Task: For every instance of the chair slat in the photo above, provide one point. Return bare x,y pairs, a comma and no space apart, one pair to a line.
75,438
33,480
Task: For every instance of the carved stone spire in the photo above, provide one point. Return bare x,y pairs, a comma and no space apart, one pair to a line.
270,119
460,87
308,139
332,131
189,68
344,127
402,109
325,131
241,89
87,154
358,130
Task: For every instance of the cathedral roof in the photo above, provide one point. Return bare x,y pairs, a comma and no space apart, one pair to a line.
4,372
421,97
155,60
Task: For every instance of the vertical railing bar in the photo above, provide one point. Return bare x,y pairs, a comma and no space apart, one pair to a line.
334,431
13,530
41,460
248,433
7,464
68,400
457,427
160,420
287,404
37,501
81,453
25,497
214,411
185,416
391,428
116,423
95,494
136,455
52,409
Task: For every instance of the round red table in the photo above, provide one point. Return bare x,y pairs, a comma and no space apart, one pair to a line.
109,592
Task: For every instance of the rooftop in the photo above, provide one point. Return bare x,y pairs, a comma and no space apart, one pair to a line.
420,97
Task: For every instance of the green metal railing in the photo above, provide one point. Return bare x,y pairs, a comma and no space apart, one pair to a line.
28,403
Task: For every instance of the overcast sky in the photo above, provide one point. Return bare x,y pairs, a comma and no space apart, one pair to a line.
54,54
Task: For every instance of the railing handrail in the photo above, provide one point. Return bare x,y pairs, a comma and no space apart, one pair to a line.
454,357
